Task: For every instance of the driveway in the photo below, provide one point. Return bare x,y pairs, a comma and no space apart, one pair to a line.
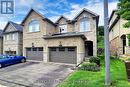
34,74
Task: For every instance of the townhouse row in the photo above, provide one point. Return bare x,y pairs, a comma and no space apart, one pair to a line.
40,39
119,36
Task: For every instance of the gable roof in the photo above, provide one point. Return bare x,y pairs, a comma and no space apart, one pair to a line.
115,21
85,10
18,27
74,19
112,15
1,33
32,10
61,18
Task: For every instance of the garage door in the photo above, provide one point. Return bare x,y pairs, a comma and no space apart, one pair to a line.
63,55
35,53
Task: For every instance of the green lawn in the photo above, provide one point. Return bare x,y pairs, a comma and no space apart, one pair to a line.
96,79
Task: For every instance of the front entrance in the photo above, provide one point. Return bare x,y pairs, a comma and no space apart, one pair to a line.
88,48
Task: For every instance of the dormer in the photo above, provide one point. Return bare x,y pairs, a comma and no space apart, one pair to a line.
62,24
86,21
37,24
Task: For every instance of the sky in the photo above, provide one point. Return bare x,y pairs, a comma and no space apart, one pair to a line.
53,9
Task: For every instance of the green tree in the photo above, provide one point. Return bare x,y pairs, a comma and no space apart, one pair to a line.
124,11
101,30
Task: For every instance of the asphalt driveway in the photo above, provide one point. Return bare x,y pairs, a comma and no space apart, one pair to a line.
34,74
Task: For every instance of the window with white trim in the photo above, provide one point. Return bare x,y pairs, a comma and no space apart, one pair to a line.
63,28
13,36
34,26
8,37
84,24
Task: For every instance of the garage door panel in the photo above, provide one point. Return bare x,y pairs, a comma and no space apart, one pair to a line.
34,54
63,56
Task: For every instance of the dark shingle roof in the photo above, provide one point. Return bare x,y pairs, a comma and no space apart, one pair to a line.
85,10
115,20
18,27
112,14
63,35
61,18
43,17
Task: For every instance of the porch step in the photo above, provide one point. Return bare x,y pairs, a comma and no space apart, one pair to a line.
87,59
125,56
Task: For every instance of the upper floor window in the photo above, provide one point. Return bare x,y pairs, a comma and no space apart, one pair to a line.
7,37
11,36
84,24
34,26
63,28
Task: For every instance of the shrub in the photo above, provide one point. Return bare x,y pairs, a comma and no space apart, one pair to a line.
95,60
89,67
100,51
102,57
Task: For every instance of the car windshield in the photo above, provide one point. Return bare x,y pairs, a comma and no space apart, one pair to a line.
4,56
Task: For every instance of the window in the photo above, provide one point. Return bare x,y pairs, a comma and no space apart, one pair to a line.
84,24
61,49
34,49
34,26
10,36
40,49
28,49
7,37
53,49
71,49
13,36
63,28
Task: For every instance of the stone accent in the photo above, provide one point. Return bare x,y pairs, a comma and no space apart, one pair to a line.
114,45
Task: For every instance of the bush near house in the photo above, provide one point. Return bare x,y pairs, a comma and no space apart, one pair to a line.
92,65
95,60
89,67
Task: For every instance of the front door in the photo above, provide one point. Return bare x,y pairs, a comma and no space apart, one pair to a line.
88,48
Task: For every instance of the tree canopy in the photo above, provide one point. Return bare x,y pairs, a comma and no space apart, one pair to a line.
101,30
124,11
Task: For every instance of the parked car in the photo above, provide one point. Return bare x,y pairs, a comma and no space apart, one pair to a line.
6,60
